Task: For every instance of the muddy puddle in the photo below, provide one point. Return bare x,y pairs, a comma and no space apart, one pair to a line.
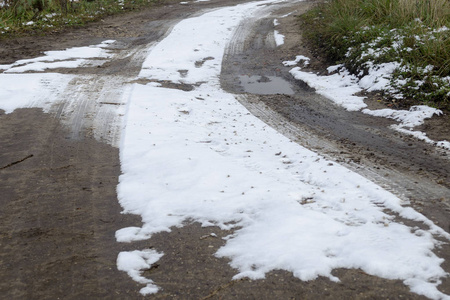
265,85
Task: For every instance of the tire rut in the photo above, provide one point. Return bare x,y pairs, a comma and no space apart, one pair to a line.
418,173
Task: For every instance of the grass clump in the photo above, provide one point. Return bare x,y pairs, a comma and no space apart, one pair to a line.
410,39
19,16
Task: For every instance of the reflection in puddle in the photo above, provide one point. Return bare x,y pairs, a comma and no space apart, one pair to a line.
265,85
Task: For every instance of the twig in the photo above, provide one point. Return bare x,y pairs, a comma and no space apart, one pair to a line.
16,162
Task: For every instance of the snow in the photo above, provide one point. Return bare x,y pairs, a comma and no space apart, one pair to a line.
408,118
340,87
197,166
31,90
69,58
67,94
288,14
442,29
201,156
422,136
297,59
279,38
378,77
38,66
133,262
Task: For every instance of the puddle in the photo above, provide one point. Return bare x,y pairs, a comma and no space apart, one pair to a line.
265,85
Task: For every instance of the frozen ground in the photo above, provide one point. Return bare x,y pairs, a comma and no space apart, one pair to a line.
199,155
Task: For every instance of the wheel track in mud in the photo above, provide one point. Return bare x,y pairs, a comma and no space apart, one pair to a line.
403,185
414,171
97,100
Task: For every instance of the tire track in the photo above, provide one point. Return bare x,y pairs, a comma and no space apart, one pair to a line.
415,172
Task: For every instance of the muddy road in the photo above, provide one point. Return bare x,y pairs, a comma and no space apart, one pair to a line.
413,170
59,170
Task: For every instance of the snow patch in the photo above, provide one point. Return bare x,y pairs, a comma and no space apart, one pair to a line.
298,58
31,90
288,14
135,262
411,118
279,38
341,86
69,58
201,156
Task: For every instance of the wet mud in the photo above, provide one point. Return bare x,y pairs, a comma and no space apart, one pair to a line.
58,213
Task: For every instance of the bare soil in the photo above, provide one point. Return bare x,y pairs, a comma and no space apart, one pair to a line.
58,203
58,213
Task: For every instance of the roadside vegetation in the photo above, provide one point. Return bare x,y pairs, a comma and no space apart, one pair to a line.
19,16
409,39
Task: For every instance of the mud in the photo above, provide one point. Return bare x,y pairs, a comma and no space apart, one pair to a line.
133,28
413,170
59,213
189,270
58,203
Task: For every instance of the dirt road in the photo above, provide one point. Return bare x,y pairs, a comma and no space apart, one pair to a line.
58,175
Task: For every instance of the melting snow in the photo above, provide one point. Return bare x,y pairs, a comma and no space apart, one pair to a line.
134,262
341,86
201,156
297,59
69,58
31,90
279,38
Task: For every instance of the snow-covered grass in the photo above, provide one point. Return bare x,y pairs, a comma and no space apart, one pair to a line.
412,37
418,70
